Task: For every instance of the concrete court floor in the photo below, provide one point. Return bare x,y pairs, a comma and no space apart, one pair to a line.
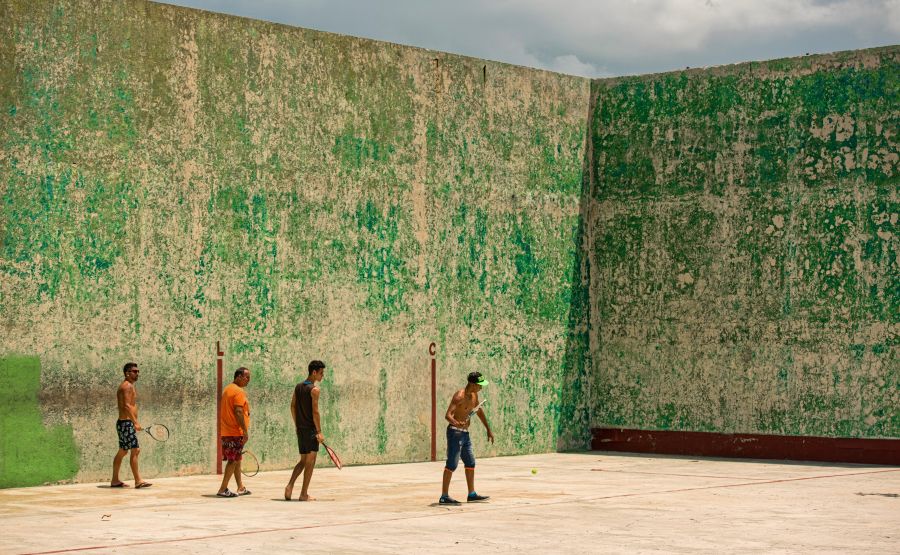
593,502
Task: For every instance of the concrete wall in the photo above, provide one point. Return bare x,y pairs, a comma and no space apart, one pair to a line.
172,178
743,248
169,178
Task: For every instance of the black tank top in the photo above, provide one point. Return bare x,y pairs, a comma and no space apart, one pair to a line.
303,392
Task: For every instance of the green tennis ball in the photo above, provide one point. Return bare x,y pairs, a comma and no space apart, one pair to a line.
534,470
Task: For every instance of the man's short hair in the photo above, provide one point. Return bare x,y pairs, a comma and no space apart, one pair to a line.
239,372
316,365
128,366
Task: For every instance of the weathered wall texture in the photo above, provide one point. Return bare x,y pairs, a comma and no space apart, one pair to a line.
743,248
172,178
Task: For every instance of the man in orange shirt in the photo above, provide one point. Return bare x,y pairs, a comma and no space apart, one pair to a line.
235,426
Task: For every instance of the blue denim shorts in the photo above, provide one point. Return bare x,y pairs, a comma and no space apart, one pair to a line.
459,445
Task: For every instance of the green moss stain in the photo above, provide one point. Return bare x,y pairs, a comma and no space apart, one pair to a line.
33,454
355,152
742,248
380,261
170,182
381,433
572,410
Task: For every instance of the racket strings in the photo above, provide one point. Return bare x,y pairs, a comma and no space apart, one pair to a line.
249,464
158,432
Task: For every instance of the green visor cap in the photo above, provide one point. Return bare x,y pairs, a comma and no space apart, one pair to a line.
477,379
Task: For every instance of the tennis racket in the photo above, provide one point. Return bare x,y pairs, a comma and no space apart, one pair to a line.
334,457
249,463
475,410
159,432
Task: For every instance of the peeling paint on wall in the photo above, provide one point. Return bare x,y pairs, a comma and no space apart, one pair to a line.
172,178
720,253
743,249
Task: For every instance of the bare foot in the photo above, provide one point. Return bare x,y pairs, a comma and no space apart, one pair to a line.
288,491
306,498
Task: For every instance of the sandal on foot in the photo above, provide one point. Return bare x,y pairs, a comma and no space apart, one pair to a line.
226,493
244,491
119,485
143,485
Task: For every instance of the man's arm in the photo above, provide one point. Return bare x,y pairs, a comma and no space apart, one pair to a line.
294,407
239,414
131,406
483,418
454,402
315,414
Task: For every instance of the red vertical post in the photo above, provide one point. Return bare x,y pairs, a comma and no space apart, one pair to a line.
219,355
432,349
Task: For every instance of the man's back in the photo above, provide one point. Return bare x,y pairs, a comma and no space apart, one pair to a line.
303,396
233,396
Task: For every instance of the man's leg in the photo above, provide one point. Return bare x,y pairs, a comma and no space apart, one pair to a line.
298,469
470,480
445,490
117,464
468,457
134,465
226,476
454,439
307,476
238,477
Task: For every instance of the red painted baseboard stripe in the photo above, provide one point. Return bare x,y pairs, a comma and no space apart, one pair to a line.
748,446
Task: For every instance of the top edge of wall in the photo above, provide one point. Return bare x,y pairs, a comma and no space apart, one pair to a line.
864,57
437,54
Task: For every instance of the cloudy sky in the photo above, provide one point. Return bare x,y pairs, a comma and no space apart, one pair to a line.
595,38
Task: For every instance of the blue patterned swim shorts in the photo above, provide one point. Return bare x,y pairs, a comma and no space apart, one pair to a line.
127,434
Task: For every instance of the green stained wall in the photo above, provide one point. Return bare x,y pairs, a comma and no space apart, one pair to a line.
32,452
172,178
704,250
743,248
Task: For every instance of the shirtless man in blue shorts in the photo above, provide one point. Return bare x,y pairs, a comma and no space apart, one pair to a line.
458,442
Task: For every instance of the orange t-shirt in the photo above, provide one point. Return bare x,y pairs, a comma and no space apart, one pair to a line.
233,396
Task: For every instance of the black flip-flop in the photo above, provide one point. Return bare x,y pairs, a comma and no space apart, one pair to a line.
119,485
143,485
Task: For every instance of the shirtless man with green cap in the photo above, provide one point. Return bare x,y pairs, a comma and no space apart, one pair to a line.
459,444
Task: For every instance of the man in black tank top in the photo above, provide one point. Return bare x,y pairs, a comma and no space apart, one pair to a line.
305,413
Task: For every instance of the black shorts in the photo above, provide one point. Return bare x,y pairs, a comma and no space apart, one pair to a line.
306,441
